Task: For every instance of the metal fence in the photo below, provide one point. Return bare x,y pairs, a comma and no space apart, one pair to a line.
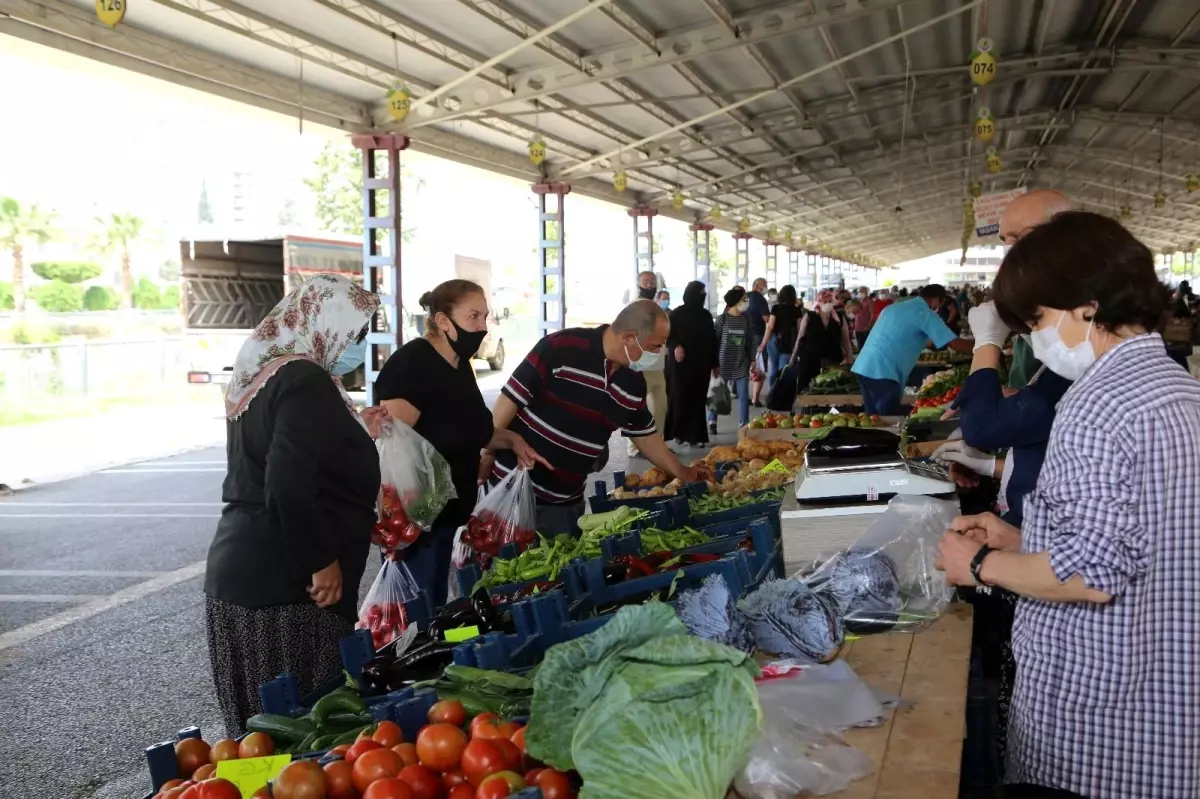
89,369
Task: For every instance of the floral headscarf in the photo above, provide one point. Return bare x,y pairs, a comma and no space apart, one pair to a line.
315,322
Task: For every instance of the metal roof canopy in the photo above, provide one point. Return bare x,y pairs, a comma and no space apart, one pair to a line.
787,113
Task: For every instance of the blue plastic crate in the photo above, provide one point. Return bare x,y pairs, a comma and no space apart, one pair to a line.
600,502
767,508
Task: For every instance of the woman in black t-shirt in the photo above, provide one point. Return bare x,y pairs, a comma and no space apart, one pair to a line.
429,385
781,328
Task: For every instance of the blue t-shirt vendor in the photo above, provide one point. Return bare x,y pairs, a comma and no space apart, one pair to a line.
895,344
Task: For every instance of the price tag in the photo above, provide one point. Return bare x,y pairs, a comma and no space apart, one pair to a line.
872,492
459,634
774,467
253,773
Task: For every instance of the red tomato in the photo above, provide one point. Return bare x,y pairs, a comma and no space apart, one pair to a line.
389,788
448,711
500,785
493,728
388,734
215,788
408,753
339,781
455,777
510,751
531,775
300,779
256,744
378,764
204,772
440,746
425,784
359,748
461,792
340,749
483,718
554,784
481,759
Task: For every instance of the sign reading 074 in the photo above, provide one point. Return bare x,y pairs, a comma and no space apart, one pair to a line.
111,12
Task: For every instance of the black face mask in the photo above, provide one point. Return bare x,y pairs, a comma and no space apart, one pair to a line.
467,343
646,294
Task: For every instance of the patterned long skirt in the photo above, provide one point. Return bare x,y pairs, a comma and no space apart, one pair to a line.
248,646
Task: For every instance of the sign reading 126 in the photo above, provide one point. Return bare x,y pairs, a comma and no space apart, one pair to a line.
111,12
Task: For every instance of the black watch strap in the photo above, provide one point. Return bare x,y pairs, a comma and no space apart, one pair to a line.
977,563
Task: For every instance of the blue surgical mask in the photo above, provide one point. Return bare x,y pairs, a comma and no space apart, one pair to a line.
665,304
649,360
351,359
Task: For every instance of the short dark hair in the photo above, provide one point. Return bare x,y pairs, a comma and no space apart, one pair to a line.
734,296
1076,258
787,295
934,291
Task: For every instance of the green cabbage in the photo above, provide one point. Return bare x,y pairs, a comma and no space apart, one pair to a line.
642,710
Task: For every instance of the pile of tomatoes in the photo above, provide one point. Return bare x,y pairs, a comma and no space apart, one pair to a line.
197,763
487,531
385,620
938,401
394,530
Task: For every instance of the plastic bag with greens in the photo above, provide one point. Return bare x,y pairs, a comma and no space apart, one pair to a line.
642,710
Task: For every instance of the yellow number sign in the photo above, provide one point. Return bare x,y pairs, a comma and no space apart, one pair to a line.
983,63
111,12
399,102
253,773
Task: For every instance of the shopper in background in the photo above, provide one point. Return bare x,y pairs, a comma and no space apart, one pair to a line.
736,350
822,339
663,298
780,335
281,587
895,343
865,316
692,356
574,390
883,301
655,374
429,385
1105,563
757,315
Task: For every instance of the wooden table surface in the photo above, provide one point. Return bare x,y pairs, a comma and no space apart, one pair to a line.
917,751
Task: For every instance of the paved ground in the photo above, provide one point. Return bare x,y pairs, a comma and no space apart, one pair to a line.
102,647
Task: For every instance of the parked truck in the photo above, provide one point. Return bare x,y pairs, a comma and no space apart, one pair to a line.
229,286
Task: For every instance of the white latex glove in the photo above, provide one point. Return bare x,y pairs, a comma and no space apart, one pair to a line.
958,452
956,435
987,326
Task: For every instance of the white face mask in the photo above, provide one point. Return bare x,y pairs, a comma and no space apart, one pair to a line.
649,360
1068,362
744,306
827,307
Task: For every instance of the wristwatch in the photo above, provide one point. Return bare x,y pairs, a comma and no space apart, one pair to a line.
977,565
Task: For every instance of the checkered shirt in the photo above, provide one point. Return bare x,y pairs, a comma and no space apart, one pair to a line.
1107,698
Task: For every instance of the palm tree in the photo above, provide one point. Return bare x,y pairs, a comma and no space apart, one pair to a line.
18,227
120,231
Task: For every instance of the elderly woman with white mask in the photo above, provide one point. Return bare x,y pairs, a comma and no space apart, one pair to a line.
1105,564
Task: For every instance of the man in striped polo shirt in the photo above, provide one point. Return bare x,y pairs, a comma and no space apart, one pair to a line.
574,389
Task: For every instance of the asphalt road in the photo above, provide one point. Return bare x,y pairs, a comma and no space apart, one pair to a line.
102,645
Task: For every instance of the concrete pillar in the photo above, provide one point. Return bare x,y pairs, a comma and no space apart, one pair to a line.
772,264
643,238
382,271
793,256
741,263
552,255
702,260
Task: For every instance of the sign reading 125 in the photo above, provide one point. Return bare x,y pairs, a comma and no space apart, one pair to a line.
111,12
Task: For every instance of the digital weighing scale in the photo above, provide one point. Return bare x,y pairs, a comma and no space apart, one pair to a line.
863,464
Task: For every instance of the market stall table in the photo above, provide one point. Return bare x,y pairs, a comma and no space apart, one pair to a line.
917,751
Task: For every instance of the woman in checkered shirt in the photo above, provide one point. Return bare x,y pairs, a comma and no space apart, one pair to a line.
1107,565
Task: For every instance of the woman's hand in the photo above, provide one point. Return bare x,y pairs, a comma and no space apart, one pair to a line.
326,588
955,553
526,456
990,529
486,462
374,418
678,354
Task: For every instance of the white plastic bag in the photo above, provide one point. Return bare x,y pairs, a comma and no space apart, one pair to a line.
505,515
886,581
382,610
415,485
720,399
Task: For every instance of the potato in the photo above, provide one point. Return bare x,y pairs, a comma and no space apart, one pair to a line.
757,464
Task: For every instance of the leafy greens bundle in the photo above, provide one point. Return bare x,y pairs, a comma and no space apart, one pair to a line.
643,710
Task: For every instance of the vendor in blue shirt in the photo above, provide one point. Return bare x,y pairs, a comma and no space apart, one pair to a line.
896,342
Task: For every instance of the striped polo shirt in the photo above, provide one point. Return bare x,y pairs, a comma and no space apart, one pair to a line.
570,400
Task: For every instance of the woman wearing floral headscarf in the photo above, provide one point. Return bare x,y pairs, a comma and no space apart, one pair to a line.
292,543
822,339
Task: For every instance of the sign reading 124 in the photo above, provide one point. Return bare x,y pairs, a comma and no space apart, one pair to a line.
111,12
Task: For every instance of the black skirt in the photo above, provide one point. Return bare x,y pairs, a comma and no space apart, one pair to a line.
249,646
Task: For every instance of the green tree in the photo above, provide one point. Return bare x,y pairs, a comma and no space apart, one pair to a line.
336,185
6,296
19,227
119,232
146,295
100,298
58,297
66,271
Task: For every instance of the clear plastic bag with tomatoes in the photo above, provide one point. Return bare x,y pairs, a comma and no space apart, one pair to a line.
416,484
382,611
505,515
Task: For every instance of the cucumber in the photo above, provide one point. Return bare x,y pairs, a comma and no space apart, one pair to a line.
325,742
349,736
282,729
306,745
340,700
342,721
